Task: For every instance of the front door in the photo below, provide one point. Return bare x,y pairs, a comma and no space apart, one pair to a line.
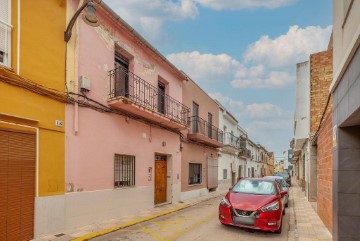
160,179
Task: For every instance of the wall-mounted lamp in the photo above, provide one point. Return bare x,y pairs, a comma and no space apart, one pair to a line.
89,18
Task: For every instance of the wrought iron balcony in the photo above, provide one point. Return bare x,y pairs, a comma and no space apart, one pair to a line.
231,140
204,132
131,93
244,152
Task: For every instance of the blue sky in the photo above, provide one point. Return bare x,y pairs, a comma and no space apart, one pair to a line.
241,52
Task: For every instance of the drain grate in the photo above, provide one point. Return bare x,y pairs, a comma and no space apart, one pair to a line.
59,235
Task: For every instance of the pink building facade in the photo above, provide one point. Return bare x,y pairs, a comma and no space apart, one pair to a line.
123,151
199,163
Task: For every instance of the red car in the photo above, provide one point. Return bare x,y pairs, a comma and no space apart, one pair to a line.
254,203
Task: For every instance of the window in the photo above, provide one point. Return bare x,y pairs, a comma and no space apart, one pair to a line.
124,171
5,32
194,173
224,174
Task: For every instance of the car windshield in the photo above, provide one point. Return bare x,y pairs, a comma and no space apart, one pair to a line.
257,187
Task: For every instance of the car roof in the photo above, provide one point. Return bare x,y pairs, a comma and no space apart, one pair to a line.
273,177
256,179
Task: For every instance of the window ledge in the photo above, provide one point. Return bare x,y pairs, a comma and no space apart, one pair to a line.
194,185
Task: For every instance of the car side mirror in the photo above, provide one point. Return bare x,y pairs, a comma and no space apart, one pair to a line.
283,193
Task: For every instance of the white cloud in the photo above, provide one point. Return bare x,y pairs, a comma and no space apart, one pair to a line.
264,110
254,111
206,67
259,77
148,16
293,47
230,103
268,63
242,4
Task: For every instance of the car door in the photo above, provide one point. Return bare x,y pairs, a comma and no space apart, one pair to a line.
283,198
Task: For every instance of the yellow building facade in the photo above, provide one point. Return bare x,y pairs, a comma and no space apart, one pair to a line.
32,125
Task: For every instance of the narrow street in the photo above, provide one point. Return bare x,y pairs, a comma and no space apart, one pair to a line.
199,222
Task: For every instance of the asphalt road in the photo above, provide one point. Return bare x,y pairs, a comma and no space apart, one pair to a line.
199,223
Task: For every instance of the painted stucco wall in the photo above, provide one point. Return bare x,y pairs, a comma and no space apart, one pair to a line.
193,93
42,60
192,153
90,150
302,108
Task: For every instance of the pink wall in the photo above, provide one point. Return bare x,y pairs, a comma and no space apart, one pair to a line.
191,152
193,93
90,153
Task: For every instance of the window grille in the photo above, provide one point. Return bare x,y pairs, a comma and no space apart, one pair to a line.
124,168
194,173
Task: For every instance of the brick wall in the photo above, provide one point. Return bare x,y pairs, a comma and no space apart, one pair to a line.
321,74
324,151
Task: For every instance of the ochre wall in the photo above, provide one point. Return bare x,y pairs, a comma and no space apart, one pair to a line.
42,60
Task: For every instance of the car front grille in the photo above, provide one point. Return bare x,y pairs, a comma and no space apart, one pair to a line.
243,212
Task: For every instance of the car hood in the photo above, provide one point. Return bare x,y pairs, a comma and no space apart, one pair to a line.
249,202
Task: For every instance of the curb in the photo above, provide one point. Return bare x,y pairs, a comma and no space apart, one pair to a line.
140,220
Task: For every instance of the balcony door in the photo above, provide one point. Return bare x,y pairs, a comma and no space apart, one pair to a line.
121,76
195,117
161,98
210,117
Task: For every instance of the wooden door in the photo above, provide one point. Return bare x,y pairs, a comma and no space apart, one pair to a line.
17,185
160,181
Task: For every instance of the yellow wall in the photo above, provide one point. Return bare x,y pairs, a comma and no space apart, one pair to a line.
42,59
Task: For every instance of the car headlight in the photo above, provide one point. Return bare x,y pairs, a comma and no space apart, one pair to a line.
271,207
225,202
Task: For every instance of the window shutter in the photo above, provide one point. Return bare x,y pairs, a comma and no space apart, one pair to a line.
5,31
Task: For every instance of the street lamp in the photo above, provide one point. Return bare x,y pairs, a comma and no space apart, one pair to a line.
89,18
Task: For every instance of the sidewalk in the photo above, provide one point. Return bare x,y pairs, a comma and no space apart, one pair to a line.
305,224
108,226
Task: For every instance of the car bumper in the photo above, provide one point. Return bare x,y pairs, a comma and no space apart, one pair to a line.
269,221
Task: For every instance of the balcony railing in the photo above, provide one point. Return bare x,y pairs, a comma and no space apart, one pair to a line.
245,152
126,84
200,126
231,140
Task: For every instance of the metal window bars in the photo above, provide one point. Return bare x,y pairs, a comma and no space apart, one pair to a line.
124,171
127,84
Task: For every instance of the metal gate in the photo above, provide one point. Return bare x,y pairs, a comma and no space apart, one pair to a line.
212,173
